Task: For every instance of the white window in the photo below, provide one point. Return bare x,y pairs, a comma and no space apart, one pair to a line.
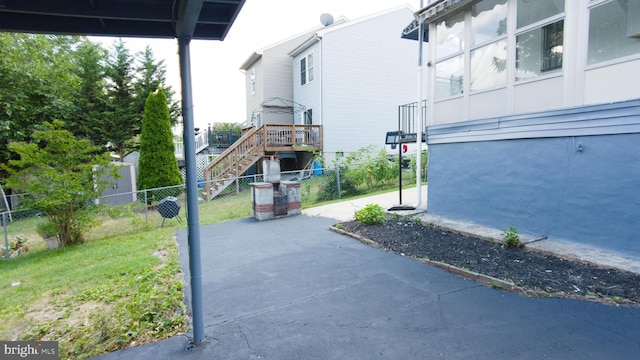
532,11
450,36
614,30
306,69
488,35
450,53
489,66
488,21
252,76
539,38
449,77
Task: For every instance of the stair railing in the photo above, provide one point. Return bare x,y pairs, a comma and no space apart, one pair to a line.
227,164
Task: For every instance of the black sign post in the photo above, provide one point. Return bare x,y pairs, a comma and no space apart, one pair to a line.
395,138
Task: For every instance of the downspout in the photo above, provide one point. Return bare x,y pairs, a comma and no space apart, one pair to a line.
420,116
321,86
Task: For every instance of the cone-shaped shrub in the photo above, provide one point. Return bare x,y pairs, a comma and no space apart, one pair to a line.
158,166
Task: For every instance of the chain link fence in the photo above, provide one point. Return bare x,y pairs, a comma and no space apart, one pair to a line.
139,210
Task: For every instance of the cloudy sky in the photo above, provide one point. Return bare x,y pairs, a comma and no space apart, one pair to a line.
218,84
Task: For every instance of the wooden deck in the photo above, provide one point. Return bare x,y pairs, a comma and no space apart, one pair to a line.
253,145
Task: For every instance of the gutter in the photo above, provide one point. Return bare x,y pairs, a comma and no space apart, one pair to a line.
420,118
438,9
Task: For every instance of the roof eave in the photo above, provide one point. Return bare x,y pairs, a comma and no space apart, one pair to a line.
192,19
440,9
305,45
250,61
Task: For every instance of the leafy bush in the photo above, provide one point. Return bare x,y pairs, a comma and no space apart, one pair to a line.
360,168
371,214
63,175
363,167
329,187
511,238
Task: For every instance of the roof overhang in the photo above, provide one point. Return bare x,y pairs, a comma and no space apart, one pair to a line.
439,9
305,45
250,61
194,19
412,31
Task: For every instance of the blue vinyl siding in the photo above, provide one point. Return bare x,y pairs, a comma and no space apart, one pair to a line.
577,188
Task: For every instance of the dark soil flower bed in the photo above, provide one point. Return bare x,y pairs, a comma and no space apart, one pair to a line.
532,272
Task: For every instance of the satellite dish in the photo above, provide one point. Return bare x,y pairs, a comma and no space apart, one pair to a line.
326,19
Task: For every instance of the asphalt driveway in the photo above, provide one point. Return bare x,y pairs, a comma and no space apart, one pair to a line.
291,289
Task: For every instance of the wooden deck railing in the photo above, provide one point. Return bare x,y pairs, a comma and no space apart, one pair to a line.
255,143
228,161
291,137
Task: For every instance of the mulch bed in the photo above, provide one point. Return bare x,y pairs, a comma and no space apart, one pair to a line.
531,272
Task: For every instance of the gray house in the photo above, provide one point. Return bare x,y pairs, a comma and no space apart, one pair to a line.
269,83
350,78
534,120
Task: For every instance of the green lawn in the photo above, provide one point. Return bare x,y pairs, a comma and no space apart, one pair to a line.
97,297
121,288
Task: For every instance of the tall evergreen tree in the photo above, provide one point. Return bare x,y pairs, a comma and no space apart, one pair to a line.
151,76
120,124
157,166
90,97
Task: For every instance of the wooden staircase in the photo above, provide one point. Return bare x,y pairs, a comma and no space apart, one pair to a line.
232,163
252,146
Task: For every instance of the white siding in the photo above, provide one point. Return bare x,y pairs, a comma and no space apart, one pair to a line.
277,117
623,80
488,104
278,70
273,79
447,111
310,94
539,95
254,100
367,72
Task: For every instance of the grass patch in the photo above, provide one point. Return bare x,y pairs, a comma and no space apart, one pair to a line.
97,297
226,208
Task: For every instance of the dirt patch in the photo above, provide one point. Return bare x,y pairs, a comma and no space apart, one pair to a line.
43,310
80,316
162,255
532,272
